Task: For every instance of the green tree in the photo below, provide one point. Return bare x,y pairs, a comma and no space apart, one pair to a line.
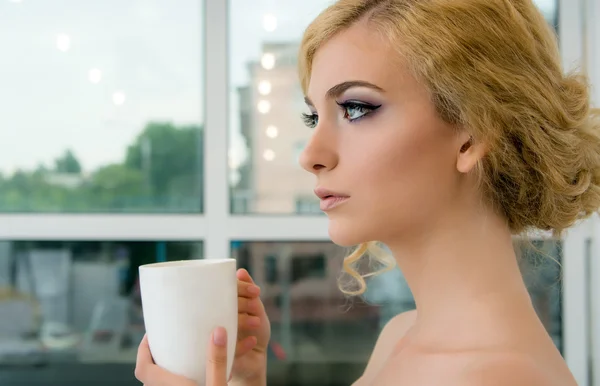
31,192
116,187
67,163
162,170
170,159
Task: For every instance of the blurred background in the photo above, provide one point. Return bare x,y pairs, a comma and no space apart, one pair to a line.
152,130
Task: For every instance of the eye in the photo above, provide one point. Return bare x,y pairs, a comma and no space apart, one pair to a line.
354,110
310,120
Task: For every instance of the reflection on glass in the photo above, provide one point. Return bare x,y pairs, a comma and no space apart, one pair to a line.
269,22
63,42
272,131
541,268
99,119
268,61
549,9
320,337
264,87
75,302
269,155
265,94
95,75
264,106
119,98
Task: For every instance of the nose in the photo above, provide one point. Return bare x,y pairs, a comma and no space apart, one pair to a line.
320,153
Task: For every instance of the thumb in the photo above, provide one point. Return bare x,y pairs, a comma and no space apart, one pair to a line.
243,275
216,366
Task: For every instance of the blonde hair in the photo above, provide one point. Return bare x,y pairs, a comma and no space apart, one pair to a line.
492,67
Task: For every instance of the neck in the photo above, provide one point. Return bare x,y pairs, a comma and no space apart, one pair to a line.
463,273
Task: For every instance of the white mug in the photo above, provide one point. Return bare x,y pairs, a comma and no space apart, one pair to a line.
183,301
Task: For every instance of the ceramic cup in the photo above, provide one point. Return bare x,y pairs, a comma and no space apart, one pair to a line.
183,301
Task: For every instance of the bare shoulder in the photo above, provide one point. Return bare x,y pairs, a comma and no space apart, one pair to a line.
391,334
510,369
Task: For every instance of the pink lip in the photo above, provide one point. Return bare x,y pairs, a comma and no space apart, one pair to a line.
330,199
331,202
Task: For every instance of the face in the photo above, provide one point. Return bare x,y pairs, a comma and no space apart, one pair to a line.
385,163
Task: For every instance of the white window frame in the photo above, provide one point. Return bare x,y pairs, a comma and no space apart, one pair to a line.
216,227
579,37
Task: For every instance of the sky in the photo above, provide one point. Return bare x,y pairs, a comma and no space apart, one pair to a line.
87,75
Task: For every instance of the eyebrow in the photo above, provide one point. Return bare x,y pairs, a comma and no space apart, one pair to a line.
339,89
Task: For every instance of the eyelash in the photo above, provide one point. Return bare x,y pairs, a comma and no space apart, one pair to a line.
311,120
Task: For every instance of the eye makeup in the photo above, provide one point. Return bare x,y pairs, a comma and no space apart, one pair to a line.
353,110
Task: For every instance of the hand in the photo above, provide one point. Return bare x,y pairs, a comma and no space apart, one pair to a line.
147,372
254,332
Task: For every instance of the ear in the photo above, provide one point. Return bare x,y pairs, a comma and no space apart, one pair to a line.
470,153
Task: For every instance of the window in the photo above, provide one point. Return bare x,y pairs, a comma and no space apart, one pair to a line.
265,102
298,149
317,331
308,205
75,302
265,125
102,106
550,10
107,108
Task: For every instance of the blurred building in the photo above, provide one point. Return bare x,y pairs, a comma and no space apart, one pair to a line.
304,276
270,106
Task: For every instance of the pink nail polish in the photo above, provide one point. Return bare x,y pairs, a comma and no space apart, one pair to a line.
220,336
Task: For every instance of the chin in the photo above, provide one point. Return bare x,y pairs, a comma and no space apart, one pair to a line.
346,233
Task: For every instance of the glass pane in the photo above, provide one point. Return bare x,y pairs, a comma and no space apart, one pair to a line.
101,106
71,311
266,134
541,268
320,337
550,10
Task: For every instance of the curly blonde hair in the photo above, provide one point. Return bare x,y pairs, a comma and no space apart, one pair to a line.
493,67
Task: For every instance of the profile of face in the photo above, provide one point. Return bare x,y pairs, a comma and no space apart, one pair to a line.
392,165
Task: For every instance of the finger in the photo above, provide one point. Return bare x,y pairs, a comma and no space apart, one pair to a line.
248,322
144,357
243,275
248,290
244,346
249,306
146,371
143,360
216,368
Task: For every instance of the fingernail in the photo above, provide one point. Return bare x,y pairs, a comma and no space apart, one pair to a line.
254,290
220,336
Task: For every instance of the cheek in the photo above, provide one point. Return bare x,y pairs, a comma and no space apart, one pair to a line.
408,176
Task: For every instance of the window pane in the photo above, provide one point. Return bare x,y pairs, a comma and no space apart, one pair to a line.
71,311
266,133
541,267
550,10
319,337
101,106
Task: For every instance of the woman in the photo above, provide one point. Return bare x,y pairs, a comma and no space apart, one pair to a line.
441,129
